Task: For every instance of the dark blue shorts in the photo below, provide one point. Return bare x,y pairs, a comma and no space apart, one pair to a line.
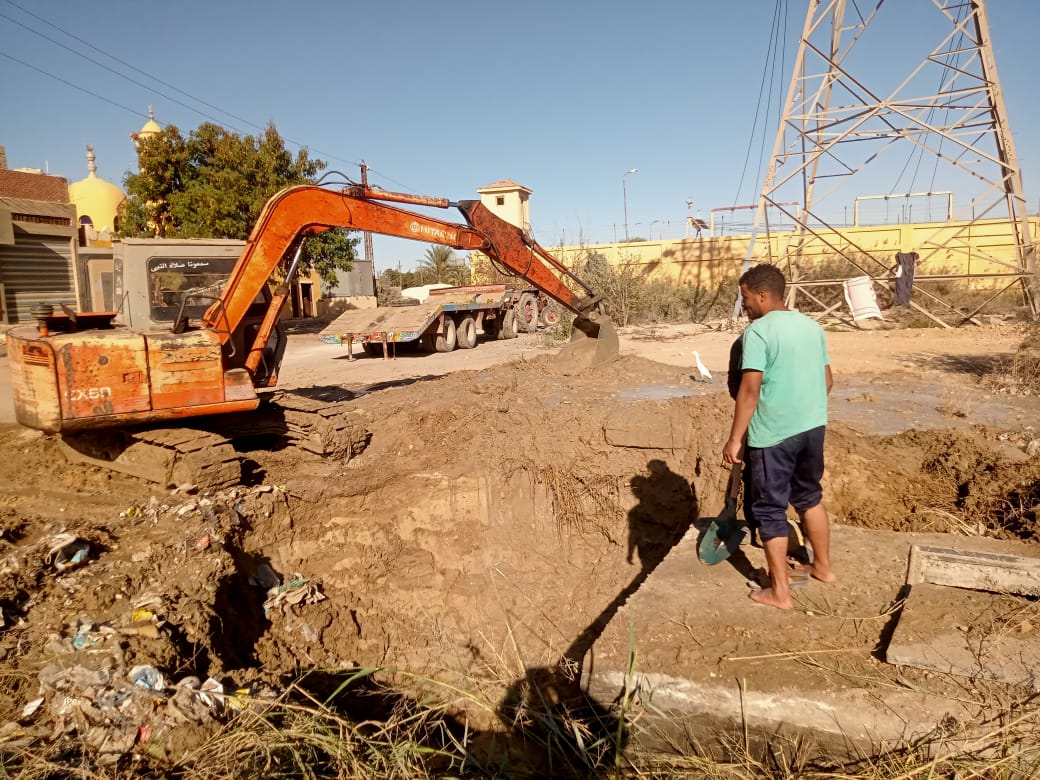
786,473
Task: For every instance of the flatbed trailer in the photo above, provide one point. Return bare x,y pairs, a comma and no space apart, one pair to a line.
449,319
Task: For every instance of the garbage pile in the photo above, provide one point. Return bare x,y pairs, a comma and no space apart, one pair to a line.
117,624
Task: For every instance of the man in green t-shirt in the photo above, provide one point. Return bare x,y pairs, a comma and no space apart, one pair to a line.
782,407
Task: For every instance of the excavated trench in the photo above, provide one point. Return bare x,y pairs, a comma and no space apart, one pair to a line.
488,544
449,550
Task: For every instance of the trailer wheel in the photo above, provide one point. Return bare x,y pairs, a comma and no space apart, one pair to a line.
550,315
373,348
466,333
527,312
508,330
445,341
492,326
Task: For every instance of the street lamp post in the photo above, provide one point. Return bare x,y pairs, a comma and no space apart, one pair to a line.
624,197
651,228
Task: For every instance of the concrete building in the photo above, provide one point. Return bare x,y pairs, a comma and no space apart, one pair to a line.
508,200
38,239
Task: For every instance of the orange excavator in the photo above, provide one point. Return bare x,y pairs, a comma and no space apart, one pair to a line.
117,394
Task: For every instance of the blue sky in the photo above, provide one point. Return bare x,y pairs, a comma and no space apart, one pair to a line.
443,98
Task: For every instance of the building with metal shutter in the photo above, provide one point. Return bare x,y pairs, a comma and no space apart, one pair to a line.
37,253
38,237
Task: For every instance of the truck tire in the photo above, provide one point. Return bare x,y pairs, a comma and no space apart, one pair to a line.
445,340
550,315
492,326
508,330
466,333
527,313
373,348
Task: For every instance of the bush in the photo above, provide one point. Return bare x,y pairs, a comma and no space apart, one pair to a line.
630,297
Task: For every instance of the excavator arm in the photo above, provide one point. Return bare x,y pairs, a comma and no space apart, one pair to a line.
301,211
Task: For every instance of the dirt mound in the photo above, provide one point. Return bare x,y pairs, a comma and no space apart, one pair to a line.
495,523
959,481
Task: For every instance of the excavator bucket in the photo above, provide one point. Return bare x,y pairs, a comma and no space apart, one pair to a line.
594,342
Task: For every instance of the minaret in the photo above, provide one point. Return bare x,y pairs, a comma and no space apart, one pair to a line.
151,128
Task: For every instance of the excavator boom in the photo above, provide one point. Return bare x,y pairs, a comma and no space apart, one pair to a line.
304,210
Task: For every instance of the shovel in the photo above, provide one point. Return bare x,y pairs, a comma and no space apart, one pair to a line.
723,535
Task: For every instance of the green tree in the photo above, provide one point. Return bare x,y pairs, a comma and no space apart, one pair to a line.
215,183
163,164
392,278
440,262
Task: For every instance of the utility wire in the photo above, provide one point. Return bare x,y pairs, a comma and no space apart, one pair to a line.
149,87
76,87
776,75
124,63
957,51
113,70
951,64
758,106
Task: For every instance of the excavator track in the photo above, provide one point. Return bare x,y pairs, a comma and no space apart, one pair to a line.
331,429
168,456
206,457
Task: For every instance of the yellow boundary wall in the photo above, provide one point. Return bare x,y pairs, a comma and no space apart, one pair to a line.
980,247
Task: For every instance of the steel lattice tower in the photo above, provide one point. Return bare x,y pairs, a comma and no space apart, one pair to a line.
842,122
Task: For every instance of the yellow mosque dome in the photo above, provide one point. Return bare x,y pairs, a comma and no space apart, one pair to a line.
97,201
151,127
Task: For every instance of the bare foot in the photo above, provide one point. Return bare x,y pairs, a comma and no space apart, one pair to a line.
821,574
815,571
767,597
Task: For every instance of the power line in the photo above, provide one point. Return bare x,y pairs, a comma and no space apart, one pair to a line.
124,63
770,54
780,21
149,87
955,53
69,83
113,70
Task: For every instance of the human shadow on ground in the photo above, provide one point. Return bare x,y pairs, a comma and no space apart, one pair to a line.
554,726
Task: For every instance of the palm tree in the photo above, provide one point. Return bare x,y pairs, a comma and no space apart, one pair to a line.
441,262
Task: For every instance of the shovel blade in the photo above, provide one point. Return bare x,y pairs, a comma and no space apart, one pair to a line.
718,544
721,538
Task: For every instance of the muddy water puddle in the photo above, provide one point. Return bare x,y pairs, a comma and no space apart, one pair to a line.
882,408
657,392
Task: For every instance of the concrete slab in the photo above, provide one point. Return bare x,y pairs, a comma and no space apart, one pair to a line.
707,657
968,633
974,570
624,429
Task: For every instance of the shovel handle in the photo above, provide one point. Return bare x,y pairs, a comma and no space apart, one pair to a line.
733,486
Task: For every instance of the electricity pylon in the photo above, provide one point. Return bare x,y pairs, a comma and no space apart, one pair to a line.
944,121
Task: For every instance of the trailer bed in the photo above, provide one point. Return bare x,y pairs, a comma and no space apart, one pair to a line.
407,323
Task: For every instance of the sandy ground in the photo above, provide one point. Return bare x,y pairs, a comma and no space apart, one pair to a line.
504,513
